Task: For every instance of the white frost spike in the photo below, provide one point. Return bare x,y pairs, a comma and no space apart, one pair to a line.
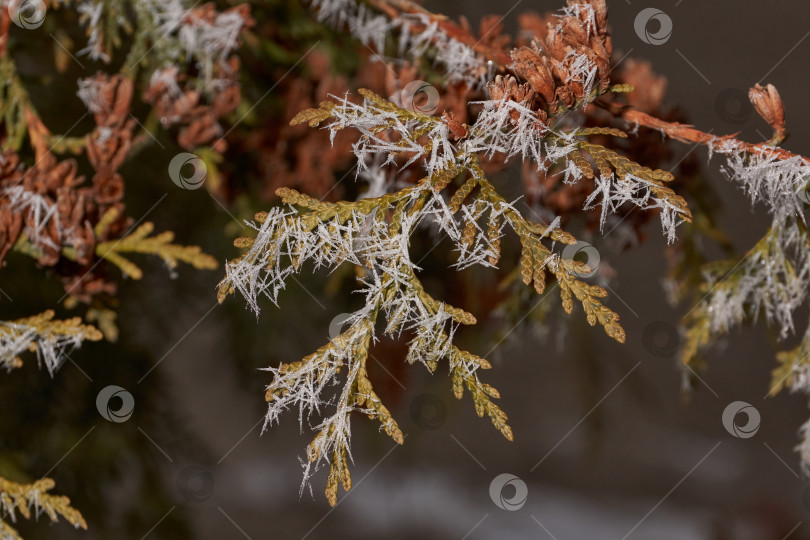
582,70
460,62
495,131
576,11
51,348
39,213
175,36
776,182
612,192
367,117
283,244
90,16
772,283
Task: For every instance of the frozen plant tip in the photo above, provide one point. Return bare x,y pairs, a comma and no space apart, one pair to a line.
556,104
588,133
22,498
50,339
374,234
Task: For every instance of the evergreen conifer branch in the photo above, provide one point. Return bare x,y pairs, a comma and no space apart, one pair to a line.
20,499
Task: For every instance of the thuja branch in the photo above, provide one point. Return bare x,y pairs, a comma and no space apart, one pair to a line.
690,134
20,499
766,100
363,234
396,9
374,234
141,241
524,115
49,338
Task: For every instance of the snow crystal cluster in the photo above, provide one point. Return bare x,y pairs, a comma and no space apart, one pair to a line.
612,192
398,139
286,240
90,16
284,243
509,128
90,94
582,70
779,183
512,129
772,279
51,348
41,216
458,61
177,34
576,11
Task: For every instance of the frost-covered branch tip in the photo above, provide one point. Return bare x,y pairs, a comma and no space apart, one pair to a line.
50,339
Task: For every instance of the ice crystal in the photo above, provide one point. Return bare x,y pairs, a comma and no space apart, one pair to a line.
51,348
772,280
583,12
778,183
398,139
458,61
508,128
611,192
40,214
177,34
90,16
582,70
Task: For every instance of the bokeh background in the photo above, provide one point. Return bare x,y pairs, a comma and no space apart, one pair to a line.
605,442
